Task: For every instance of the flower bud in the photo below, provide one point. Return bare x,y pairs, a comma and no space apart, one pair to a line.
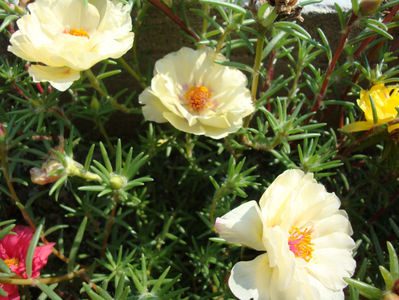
390,296
94,104
117,182
3,132
368,7
266,14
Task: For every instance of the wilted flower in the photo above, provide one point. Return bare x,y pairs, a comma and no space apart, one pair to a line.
42,175
13,250
385,101
51,169
197,95
306,236
68,37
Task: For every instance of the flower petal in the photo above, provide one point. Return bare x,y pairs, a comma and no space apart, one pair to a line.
40,257
330,266
336,223
11,290
251,279
393,127
242,225
59,77
275,204
280,256
358,126
153,107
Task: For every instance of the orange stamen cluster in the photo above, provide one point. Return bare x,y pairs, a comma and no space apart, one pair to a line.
12,261
300,242
198,98
78,32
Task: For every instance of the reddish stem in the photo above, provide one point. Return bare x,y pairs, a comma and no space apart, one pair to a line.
269,76
270,72
174,18
387,19
333,62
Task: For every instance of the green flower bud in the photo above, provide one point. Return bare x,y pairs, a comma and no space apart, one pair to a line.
94,103
117,182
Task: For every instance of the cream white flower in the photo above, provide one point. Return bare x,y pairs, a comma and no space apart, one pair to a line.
68,36
306,236
197,95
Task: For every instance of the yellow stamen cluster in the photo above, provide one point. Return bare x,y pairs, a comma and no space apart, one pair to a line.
198,98
300,242
12,261
78,32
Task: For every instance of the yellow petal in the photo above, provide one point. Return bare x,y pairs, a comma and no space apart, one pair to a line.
393,127
357,126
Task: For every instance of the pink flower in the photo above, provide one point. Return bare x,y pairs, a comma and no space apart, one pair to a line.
11,290
13,250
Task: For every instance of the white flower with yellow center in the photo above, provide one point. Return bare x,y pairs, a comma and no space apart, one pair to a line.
306,238
68,36
196,95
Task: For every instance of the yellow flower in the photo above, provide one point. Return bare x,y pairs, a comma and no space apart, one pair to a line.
196,95
306,238
385,99
68,36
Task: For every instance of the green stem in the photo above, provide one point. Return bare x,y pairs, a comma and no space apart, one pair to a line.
255,75
35,281
111,221
96,85
222,39
258,60
215,199
73,168
132,72
14,196
292,91
205,9
264,147
103,132
12,9
189,146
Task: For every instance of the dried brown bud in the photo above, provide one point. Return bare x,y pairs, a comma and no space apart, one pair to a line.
368,7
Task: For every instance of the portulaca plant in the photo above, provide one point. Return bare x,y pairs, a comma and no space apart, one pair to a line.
136,134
